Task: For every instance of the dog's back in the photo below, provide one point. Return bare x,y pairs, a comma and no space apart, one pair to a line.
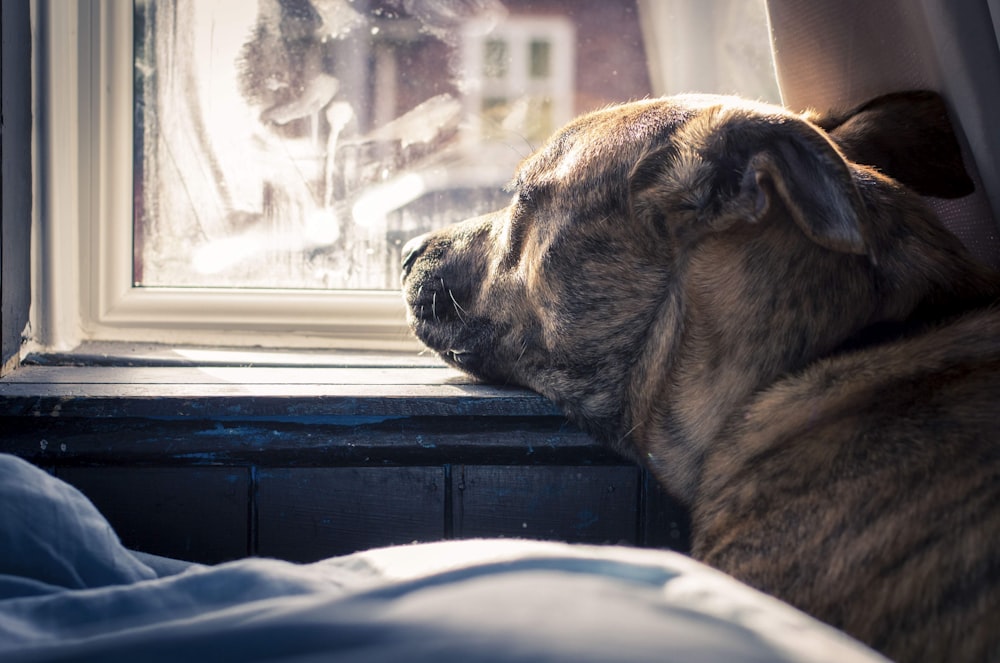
867,490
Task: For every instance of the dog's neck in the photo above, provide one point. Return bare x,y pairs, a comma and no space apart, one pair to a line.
742,315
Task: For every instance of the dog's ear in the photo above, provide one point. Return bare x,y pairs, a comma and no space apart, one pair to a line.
816,188
743,171
907,136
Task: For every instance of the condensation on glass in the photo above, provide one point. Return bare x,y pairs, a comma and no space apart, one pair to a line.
299,143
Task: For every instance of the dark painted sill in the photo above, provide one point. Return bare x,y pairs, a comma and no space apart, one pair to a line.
154,405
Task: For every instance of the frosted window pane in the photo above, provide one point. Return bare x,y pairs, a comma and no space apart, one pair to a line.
299,143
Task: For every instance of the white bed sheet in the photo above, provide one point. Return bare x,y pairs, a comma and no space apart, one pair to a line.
70,592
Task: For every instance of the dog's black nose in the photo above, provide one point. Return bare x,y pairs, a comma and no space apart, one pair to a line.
411,251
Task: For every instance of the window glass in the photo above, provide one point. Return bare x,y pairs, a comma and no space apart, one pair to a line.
299,143
540,51
495,58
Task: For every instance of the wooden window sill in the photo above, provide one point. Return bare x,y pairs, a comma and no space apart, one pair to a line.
163,407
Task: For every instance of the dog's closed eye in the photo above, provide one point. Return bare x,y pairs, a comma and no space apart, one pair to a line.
516,228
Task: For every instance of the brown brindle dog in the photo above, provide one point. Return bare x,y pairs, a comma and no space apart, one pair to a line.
789,340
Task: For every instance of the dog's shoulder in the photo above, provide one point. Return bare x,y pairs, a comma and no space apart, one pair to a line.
946,376
873,475
942,357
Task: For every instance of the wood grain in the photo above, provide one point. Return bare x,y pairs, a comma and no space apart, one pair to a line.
576,504
309,514
194,514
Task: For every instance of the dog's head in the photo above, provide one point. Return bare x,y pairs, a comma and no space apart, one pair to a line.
663,239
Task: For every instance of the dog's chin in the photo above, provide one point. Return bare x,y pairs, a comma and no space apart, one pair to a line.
468,352
487,353
478,365
472,363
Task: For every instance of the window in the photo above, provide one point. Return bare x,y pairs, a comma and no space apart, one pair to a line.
245,172
519,81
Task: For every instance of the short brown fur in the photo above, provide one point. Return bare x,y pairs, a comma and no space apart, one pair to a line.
788,338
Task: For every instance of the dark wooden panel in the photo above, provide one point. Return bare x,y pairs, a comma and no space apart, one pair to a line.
310,514
196,514
578,504
666,522
299,440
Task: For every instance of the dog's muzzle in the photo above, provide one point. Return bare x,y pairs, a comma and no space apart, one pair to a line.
426,290
434,293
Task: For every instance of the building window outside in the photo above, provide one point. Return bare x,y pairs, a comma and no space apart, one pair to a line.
519,82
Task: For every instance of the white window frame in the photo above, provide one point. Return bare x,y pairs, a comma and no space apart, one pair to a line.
82,265
82,287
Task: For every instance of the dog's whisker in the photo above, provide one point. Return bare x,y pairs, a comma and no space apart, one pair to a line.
628,432
458,307
434,306
524,348
517,151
